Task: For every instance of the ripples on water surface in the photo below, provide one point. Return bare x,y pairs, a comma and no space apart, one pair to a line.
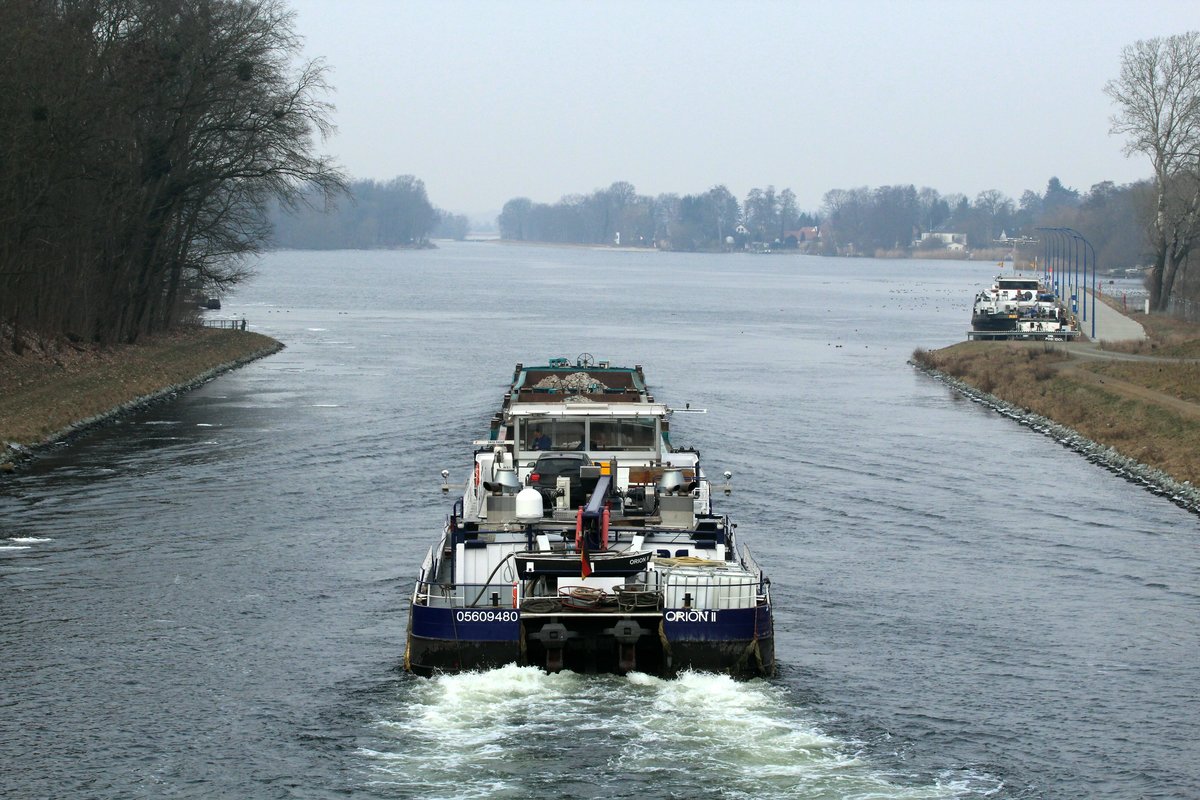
208,599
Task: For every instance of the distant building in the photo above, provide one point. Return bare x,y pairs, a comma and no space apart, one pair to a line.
951,241
801,236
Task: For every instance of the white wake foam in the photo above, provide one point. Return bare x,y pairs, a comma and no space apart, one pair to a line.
519,732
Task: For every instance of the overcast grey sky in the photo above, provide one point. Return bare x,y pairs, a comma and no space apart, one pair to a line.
486,101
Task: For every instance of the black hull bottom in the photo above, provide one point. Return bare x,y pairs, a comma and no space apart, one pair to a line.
984,322
600,654
428,657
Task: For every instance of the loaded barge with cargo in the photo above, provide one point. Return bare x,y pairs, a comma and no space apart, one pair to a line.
585,540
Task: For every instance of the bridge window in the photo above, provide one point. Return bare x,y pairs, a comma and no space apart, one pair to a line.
552,434
622,434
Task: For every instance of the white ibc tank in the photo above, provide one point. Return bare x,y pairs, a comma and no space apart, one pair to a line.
709,588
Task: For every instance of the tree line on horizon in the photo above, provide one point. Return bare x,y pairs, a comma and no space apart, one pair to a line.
139,143
371,214
865,221
891,220
713,220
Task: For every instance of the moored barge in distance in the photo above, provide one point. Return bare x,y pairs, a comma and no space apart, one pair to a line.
585,540
1020,308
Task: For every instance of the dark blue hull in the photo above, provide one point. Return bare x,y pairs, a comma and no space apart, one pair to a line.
739,642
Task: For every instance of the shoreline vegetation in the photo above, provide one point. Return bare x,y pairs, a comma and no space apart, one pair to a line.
1132,407
994,256
55,391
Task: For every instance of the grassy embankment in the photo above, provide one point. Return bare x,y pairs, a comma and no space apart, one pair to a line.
1140,398
52,389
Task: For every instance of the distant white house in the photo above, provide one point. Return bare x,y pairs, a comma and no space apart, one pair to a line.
952,241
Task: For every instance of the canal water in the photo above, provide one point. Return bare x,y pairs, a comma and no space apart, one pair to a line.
208,598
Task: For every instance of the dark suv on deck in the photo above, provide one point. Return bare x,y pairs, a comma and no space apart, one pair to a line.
550,466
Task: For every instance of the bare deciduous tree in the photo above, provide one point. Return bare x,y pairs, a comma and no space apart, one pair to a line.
140,141
1158,99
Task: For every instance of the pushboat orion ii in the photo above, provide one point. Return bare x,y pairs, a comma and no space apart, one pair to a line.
585,540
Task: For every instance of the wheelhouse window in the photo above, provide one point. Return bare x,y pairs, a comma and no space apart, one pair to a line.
552,434
621,434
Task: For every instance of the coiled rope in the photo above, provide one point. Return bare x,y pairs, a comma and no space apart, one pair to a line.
632,597
541,605
584,598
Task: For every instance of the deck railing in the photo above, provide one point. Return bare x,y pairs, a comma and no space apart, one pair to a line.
1067,335
667,590
464,595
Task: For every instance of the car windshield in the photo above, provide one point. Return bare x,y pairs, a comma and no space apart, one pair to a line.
558,465
550,467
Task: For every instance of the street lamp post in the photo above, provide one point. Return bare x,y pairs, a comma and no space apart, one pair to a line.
1064,264
1094,265
1060,261
1072,267
1083,289
1075,292
1068,251
1051,259
1056,266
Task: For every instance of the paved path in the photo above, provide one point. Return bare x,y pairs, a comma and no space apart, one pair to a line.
1111,325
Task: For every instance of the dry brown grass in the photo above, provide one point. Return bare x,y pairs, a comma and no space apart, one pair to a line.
1166,335
1122,413
52,386
1021,368
1177,379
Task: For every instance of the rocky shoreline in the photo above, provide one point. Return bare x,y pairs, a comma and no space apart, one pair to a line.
13,454
1184,494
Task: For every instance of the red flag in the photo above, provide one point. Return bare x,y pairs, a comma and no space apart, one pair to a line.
585,568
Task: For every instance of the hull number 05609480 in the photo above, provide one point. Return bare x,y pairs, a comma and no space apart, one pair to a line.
485,616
